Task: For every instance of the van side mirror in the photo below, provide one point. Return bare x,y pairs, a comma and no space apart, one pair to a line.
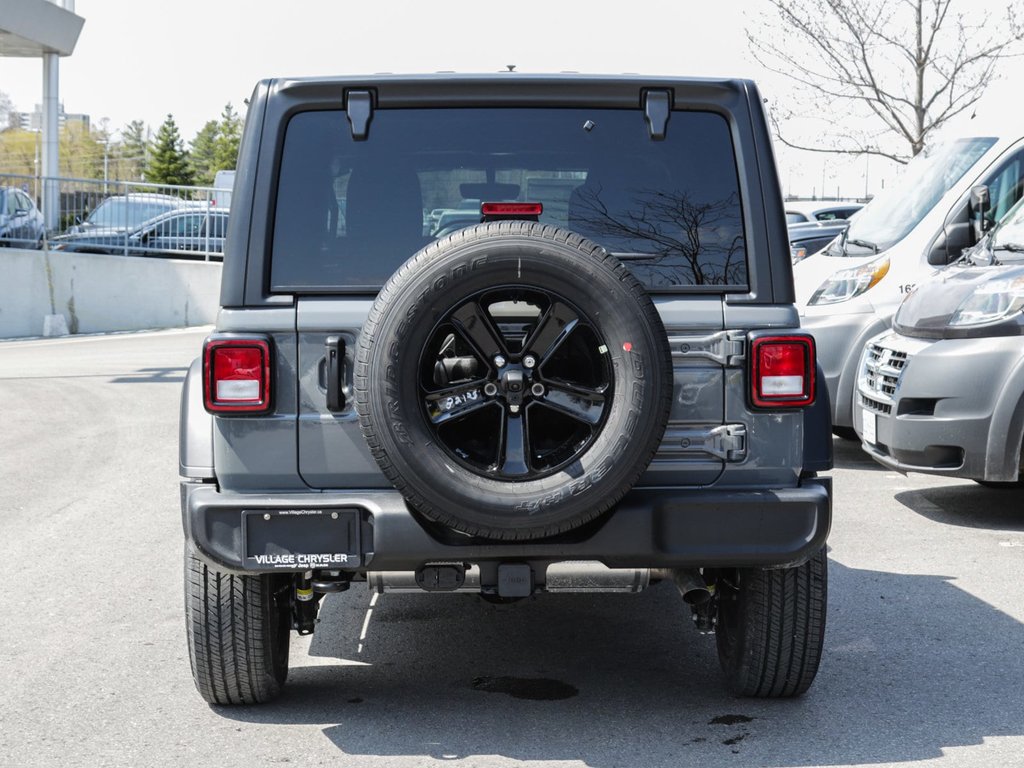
981,210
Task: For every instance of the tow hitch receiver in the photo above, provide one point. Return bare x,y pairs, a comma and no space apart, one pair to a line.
442,577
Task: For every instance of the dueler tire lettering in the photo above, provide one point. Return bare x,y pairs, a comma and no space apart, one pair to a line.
513,256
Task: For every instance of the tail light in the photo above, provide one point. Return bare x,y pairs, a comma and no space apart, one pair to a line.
782,371
236,375
506,211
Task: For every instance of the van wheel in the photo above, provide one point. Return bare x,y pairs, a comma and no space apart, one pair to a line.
238,631
771,624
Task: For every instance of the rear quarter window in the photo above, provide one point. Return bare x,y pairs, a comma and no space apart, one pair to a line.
349,213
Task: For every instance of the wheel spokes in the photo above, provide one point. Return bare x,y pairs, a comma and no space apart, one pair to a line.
513,455
580,403
490,361
555,325
475,325
455,402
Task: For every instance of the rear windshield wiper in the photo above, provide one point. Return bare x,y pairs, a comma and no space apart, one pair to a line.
864,244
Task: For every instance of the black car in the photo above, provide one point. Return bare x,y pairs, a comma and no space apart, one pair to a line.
21,223
181,233
806,239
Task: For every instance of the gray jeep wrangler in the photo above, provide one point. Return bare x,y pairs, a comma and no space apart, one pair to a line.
507,335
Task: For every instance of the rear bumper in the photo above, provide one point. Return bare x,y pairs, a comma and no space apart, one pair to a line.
650,528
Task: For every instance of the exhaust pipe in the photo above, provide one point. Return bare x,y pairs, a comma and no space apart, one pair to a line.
691,586
569,576
592,576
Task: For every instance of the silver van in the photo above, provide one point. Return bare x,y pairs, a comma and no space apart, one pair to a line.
848,292
943,391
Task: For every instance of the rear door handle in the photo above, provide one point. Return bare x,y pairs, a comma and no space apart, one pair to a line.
335,373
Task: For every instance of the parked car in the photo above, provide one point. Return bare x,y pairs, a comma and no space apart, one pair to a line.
810,237
180,233
518,410
849,292
122,213
21,223
809,211
943,391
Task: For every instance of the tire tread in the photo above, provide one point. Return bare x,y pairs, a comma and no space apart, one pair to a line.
229,633
781,626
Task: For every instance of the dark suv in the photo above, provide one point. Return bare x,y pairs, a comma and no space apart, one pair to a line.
596,383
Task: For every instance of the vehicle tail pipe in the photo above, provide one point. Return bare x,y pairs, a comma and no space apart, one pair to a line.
691,586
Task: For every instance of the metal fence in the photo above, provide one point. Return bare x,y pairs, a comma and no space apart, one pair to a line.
116,217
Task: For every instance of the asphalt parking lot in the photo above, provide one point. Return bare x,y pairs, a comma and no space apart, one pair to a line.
924,659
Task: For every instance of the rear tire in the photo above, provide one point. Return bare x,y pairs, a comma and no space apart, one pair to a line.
238,632
771,624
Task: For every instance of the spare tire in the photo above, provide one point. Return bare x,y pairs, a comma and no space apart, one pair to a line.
513,380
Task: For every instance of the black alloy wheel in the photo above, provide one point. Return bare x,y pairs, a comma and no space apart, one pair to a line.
516,382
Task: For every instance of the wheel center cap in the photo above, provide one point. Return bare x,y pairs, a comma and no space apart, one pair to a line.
513,386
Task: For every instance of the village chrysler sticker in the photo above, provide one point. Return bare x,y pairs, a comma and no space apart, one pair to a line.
301,539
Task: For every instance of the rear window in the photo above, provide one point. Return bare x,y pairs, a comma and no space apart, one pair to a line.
349,213
116,212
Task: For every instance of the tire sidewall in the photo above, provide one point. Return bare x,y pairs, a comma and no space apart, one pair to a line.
426,294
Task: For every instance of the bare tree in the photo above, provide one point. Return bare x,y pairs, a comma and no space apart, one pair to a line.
907,66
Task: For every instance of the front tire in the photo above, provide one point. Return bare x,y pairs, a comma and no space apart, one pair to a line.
771,624
238,632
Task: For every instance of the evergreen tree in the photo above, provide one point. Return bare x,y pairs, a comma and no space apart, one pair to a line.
168,160
132,151
203,153
228,140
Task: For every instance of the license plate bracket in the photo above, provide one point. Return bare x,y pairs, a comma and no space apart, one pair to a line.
300,539
870,429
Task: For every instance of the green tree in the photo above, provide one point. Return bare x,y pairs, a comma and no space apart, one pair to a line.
18,151
81,153
132,151
168,160
229,138
203,153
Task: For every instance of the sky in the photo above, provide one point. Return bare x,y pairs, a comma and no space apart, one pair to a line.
142,59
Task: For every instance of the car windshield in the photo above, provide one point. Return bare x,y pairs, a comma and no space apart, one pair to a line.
118,212
894,213
350,212
1007,239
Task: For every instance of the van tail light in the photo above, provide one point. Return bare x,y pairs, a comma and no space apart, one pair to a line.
782,371
236,375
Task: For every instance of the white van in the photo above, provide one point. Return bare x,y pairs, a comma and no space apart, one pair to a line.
849,292
223,183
